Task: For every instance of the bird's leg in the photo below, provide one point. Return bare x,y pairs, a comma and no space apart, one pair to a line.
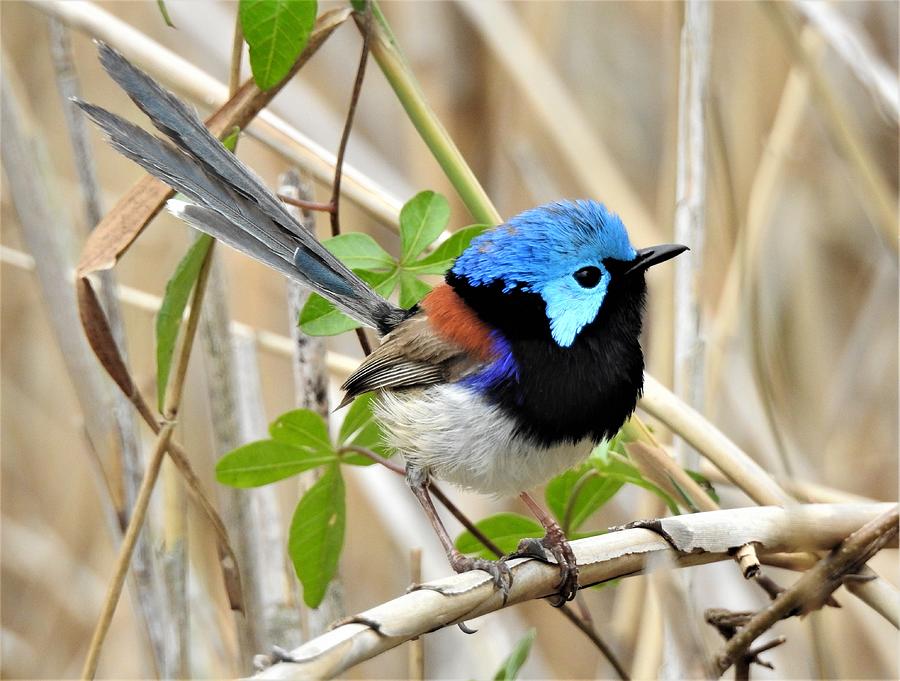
418,481
556,545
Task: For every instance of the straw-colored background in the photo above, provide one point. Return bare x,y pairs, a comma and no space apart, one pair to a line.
801,354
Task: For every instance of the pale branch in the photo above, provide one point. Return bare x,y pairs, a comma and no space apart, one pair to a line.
690,210
126,466
234,422
274,343
558,112
692,539
311,382
868,180
815,587
737,466
850,41
231,428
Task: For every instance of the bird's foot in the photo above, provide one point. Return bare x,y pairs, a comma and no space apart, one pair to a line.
497,569
554,547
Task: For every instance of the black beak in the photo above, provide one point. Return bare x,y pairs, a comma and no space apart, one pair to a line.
647,257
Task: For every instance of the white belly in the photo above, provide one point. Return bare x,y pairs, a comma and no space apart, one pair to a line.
458,436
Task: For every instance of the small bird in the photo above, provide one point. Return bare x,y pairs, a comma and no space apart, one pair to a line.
504,376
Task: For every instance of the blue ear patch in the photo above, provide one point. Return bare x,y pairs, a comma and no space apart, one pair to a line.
540,250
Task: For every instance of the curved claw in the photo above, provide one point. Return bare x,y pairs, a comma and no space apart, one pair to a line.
497,569
568,572
555,546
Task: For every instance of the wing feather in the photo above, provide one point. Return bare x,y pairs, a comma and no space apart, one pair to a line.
413,355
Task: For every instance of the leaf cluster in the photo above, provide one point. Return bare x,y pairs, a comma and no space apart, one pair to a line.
299,441
422,220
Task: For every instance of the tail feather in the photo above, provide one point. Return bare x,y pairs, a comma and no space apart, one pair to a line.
233,204
215,225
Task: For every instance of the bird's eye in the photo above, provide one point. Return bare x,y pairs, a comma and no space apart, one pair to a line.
588,277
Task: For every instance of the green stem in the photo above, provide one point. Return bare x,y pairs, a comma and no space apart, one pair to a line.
400,76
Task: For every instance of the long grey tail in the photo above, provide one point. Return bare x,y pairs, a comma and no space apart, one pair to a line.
230,202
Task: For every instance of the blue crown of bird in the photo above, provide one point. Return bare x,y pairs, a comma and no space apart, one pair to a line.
502,377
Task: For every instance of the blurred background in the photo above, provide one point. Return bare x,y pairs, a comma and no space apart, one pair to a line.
798,296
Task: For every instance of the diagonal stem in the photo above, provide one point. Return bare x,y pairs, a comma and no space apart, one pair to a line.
172,402
114,591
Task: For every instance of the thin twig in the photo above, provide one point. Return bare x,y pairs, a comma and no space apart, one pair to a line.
125,550
348,124
812,590
237,53
172,402
602,646
307,205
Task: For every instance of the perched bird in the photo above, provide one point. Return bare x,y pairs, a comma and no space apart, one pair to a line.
502,377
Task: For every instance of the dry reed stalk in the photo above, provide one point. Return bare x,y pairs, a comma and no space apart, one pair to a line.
47,232
125,467
277,344
560,116
855,48
877,195
690,211
310,392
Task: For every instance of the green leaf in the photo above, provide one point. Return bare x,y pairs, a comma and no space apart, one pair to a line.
412,289
320,318
168,319
504,529
266,461
231,139
509,670
302,428
579,493
358,417
277,32
362,430
317,535
359,251
422,219
617,465
165,13
704,482
442,257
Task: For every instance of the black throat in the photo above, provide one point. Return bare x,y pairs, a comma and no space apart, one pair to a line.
586,390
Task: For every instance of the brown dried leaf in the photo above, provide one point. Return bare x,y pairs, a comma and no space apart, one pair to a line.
100,338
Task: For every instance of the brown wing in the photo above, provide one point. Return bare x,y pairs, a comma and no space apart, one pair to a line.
443,342
411,355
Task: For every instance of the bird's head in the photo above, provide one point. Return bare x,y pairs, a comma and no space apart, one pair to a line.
569,253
